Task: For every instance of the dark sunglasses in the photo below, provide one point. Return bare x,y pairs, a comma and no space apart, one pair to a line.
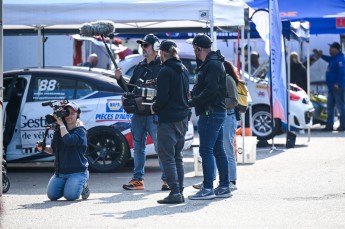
145,45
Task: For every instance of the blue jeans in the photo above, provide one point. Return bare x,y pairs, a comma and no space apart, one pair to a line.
69,185
336,98
229,132
141,126
210,128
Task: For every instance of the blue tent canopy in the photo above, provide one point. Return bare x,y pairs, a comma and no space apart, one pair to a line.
297,9
325,17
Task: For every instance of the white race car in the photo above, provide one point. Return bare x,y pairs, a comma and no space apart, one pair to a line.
109,137
300,107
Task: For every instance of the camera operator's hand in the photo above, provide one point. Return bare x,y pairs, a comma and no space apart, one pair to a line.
152,111
59,120
118,73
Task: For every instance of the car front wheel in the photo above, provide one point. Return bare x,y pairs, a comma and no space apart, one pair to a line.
262,123
107,149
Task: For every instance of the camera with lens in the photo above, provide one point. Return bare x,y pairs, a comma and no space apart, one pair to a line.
135,101
148,94
58,110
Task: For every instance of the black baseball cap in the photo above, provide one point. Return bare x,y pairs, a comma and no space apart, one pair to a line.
149,38
201,40
335,45
166,45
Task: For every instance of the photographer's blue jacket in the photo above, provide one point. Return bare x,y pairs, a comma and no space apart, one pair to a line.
72,149
335,71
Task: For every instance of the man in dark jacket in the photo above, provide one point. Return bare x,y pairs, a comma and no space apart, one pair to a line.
142,122
335,80
208,98
171,106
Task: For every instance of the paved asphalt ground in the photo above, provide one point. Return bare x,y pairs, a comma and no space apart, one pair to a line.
301,187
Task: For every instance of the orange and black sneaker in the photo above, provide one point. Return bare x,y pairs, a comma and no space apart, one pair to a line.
134,185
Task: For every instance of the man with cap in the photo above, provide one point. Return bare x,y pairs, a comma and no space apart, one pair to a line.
208,98
171,106
69,145
142,122
335,80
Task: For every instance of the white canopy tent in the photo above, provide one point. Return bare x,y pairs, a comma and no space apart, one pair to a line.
136,14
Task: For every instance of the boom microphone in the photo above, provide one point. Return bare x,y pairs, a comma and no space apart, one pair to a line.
101,28
97,28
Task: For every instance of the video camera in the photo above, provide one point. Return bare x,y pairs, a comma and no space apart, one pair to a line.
148,94
142,94
58,110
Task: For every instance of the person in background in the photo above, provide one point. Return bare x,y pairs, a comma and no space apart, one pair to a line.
208,98
254,62
171,106
142,123
230,123
335,80
91,62
298,73
69,144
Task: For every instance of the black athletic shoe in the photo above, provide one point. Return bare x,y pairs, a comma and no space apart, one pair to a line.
86,192
172,199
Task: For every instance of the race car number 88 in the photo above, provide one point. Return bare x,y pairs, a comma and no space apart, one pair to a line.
47,85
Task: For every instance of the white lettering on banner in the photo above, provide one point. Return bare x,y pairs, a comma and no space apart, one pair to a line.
113,117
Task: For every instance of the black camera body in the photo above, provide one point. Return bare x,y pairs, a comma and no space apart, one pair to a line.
148,94
58,110
143,94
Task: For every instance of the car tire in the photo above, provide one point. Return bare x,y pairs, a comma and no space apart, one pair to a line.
108,149
261,123
5,183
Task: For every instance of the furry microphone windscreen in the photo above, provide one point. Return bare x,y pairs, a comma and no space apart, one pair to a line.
97,28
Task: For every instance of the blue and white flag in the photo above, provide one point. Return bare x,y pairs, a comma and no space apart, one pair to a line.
278,68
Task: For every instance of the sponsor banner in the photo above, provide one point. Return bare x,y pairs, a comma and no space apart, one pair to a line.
278,72
114,105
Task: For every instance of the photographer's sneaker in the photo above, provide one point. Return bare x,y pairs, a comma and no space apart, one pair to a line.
203,194
86,192
221,192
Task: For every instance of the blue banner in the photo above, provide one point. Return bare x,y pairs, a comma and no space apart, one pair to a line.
277,58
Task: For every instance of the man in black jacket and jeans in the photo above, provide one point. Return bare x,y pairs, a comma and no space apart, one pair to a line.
171,106
208,98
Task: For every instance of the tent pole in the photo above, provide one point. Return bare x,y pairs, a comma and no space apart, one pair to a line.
288,85
243,126
39,41
1,86
308,80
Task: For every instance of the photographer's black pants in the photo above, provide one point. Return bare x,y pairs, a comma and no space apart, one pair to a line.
171,137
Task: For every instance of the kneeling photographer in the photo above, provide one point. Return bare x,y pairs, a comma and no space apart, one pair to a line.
69,144
171,106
